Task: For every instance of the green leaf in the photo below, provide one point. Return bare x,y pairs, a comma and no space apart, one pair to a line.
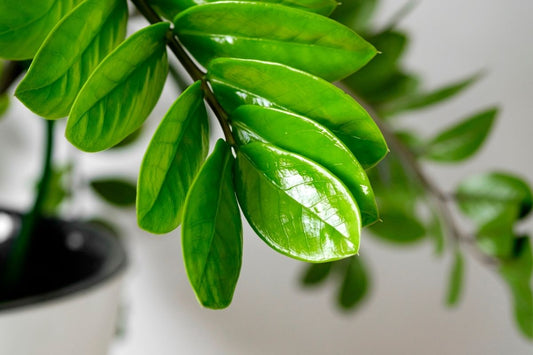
315,273
398,227
121,92
424,100
4,104
212,231
132,138
455,281
117,192
237,82
299,39
435,230
63,63
355,14
517,272
24,25
296,206
302,136
461,141
170,8
171,162
484,197
355,284
496,237
398,85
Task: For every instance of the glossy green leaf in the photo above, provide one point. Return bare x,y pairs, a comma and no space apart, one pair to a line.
316,273
170,8
300,135
63,63
121,92
212,231
517,272
171,162
237,82
355,14
398,227
24,24
456,280
118,192
296,206
463,140
355,284
486,196
299,39
423,100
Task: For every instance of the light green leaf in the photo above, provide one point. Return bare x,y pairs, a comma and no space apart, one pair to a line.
315,273
455,281
517,272
296,206
398,227
118,192
121,92
212,231
435,230
486,196
355,284
237,82
302,136
496,237
63,63
171,162
132,138
463,140
24,24
297,38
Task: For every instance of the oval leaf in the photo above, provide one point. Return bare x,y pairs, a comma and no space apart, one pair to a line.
237,82
485,197
24,24
121,92
173,158
300,135
212,231
455,281
115,191
315,273
296,206
273,33
62,65
354,285
462,140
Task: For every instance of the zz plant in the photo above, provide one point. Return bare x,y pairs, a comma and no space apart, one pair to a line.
299,154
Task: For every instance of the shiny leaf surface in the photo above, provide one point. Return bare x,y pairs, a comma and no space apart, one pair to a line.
463,140
63,63
118,192
455,280
296,206
212,231
24,24
238,82
355,284
484,197
300,135
171,162
121,92
273,33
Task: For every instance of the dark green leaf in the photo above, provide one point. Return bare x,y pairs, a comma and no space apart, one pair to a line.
315,273
121,92
62,64
296,206
24,24
517,273
297,38
398,85
300,135
486,196
455,281
398,227
212,231
355,14
4,104
118,192
132,138
171,162
463,140
238,82
355,284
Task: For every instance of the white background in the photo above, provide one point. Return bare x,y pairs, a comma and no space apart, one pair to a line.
270,313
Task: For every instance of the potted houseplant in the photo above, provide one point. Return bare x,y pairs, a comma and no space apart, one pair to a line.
268,84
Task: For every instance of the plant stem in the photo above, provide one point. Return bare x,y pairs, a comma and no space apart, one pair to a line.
190,66
19,250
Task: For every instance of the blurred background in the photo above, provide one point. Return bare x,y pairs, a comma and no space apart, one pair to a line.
271,313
